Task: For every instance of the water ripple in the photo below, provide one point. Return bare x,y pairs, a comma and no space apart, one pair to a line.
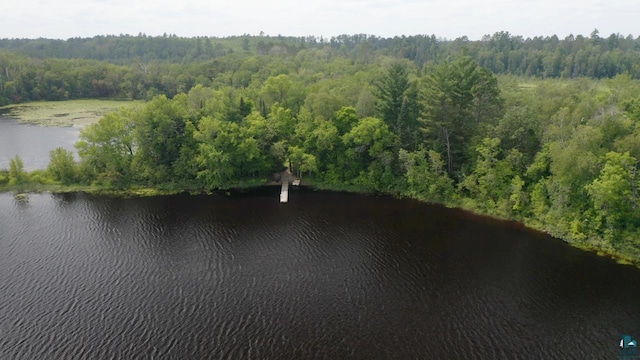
325,276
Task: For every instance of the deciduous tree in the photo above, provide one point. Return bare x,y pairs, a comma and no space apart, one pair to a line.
62,166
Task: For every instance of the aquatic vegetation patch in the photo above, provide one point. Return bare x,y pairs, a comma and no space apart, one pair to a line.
64,113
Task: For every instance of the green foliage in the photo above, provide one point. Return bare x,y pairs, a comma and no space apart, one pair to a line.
141,67
369,156
159,134
280,89
62,166
39,177
518,129
4,177
398,104
17,175
281,123
554,150
216,155
344,119
493,186
426,176
185,167
575,162
459,98
615,193
302,162
107,148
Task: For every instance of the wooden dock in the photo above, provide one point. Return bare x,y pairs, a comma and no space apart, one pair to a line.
284,191
285,178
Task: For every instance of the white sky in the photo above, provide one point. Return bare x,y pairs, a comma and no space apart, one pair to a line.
62,19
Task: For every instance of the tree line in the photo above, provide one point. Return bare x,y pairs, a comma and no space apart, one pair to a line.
561,155
140,67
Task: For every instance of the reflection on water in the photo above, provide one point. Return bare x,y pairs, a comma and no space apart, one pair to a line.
33,143
325,276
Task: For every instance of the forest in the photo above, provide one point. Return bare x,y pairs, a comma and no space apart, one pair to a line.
542,131
140,67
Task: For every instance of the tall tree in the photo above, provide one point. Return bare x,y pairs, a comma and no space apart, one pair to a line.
159,133
106,149
457,98
398,103
615,192
369,154
217,156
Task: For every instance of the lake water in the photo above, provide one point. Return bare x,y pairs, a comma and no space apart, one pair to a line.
33,143
326,276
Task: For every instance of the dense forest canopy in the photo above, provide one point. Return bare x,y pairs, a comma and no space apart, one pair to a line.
141,66
544,131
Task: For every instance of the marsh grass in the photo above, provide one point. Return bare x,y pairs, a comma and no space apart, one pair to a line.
64,113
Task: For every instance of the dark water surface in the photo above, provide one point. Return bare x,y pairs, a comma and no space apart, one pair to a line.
327,276
33,143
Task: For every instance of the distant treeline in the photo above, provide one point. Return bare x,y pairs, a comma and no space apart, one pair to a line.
139,67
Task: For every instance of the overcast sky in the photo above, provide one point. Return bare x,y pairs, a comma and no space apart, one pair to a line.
62,19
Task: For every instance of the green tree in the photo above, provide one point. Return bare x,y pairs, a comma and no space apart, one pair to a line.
301,161
185,168
458,97
159,135
426,175
62,166
615,192
576,162
281,124
216,159
106,149
518,129
344,119
398,104
245,107
369,155
276,89
318,137
494,185
17,175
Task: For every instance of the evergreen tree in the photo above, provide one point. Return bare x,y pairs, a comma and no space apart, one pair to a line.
397,104
458,97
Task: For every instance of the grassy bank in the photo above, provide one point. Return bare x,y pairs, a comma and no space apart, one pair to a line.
38,182
89,189
63,113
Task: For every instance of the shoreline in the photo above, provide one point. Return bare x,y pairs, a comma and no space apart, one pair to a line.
20,192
